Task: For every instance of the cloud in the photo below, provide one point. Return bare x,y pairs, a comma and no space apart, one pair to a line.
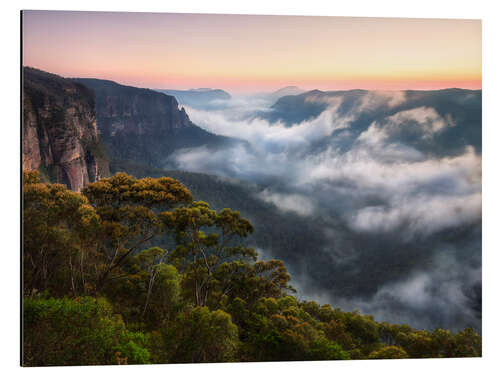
373,191
234,162
424,195
428,120
269,136
376,99
434,298
289,202
422,214
427,194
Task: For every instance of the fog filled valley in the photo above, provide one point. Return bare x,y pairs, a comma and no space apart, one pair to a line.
367,201
382,191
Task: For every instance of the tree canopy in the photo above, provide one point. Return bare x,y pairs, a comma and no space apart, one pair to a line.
137,271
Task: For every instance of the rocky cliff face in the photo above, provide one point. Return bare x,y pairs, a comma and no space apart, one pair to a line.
144,126
60,136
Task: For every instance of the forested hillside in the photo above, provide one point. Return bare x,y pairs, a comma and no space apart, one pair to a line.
283,234
143,125
97,292
311,224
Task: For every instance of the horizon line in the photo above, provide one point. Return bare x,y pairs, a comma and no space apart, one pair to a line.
256,91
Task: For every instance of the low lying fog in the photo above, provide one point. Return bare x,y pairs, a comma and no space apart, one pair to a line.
391,197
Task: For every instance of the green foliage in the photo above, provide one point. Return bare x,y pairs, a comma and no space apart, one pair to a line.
83,331
364,330
149,293
57,224
280,330
439,343
201,335
467,344
206,299
129,210
250,281
388,352
199,253
31,177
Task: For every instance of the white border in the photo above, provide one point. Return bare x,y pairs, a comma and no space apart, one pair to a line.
9,148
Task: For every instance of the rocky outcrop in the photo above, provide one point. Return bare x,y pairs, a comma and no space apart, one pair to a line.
60,136
144,126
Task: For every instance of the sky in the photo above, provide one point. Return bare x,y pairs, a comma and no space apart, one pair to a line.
245,54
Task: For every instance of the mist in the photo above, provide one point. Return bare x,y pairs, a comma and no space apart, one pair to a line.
397,200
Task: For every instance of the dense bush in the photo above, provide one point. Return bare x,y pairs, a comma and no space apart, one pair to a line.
81,331
201,335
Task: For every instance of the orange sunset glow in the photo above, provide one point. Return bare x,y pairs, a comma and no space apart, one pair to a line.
242,53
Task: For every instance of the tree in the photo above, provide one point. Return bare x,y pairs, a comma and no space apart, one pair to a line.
249,281
388,352
467,344
207,300
364,330
418,344
81,331
130,210
151,259
336,331
199,254
147,294
201,335
57,225
280,330
443,343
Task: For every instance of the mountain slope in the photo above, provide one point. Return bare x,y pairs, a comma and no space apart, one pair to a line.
286,91
459,107
282,235
197,97
143,125
60,136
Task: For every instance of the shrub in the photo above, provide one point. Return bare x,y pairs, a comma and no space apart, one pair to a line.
81,331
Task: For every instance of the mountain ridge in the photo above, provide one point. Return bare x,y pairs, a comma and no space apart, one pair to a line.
197,97
143,125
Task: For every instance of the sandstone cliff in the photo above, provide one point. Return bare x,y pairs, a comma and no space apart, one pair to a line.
60,136
144,126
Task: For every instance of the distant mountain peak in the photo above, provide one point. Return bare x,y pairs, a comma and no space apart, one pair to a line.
197,97
290,87
287,90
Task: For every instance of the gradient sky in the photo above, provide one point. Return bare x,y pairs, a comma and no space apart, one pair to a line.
255,53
